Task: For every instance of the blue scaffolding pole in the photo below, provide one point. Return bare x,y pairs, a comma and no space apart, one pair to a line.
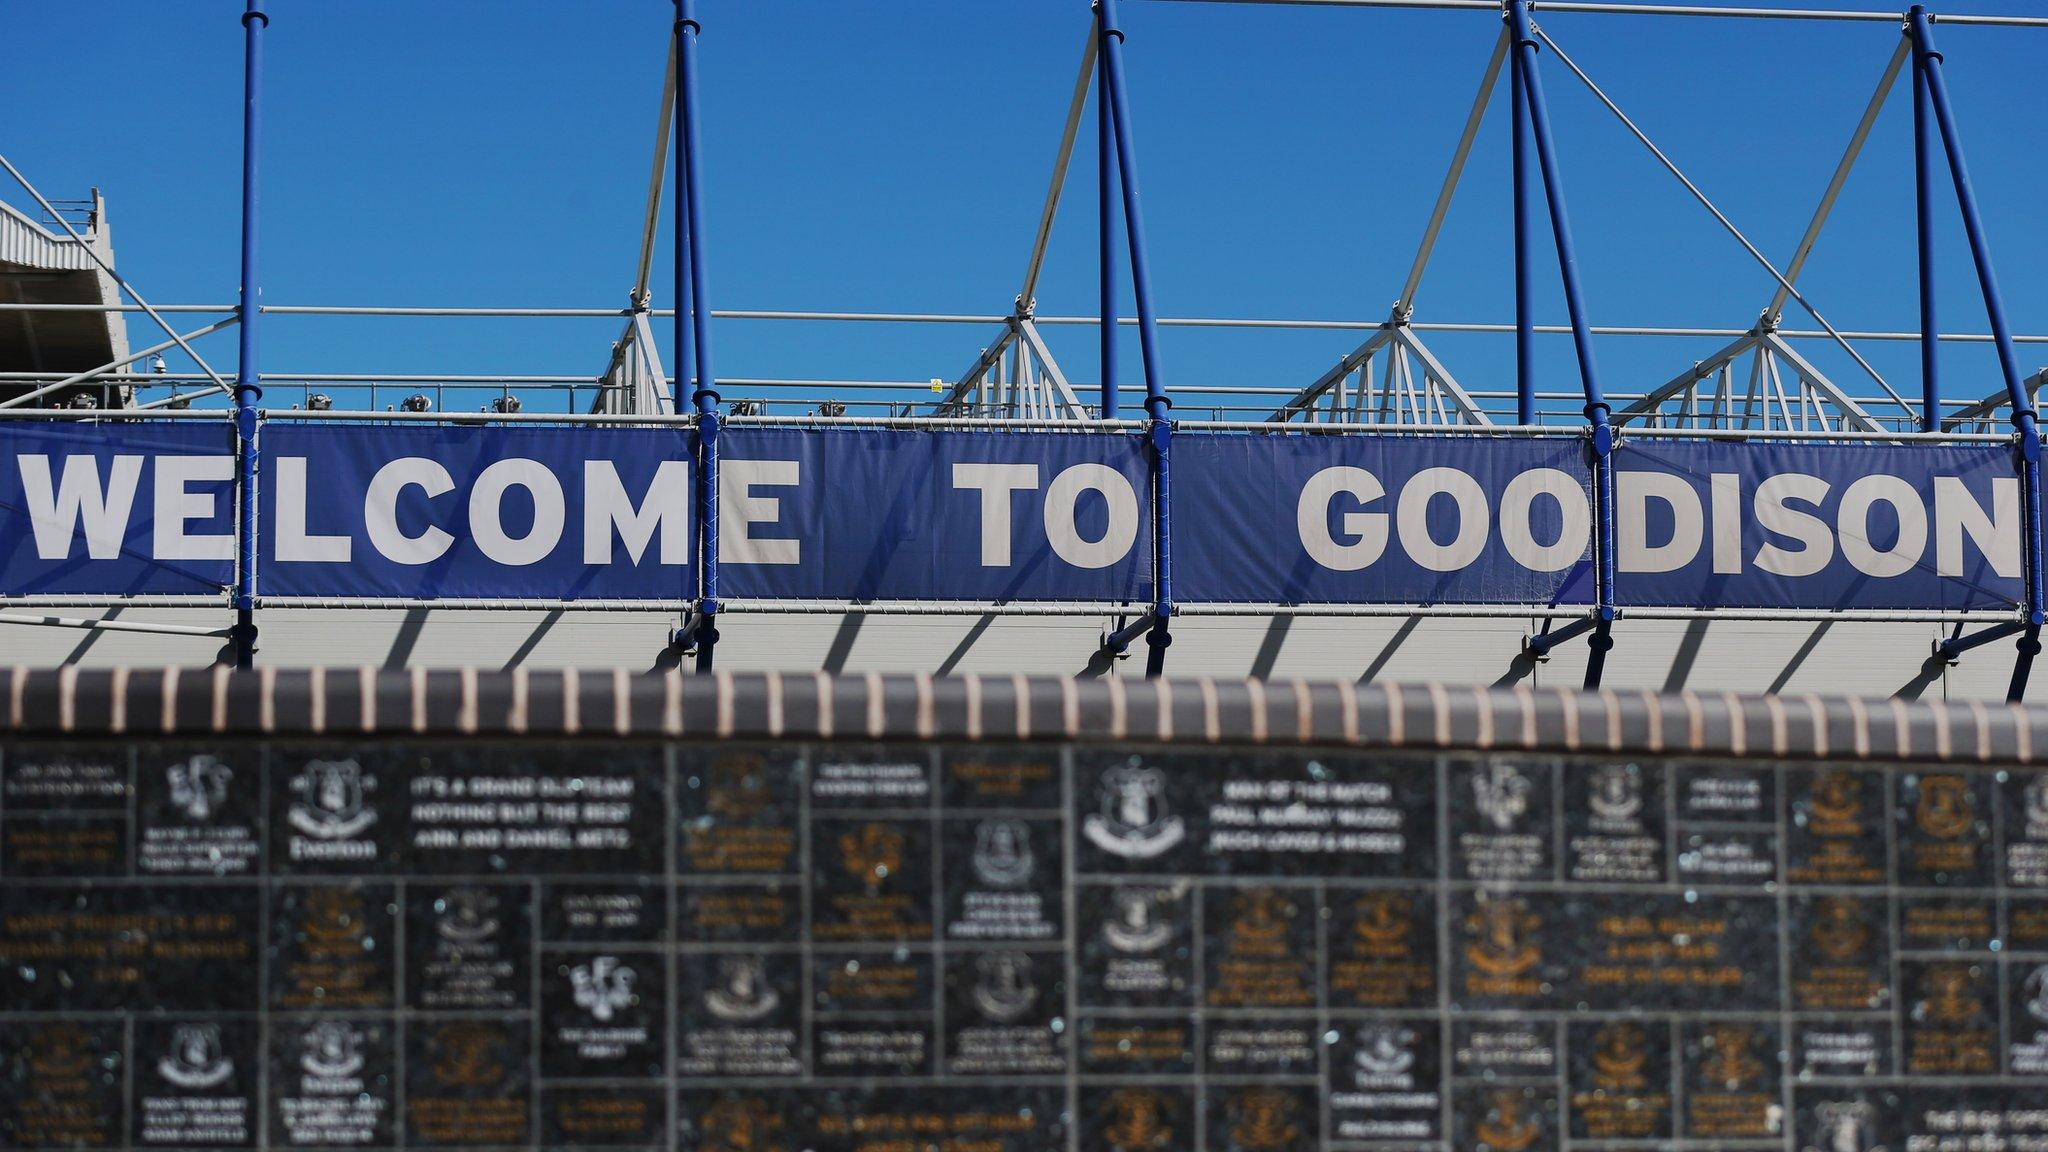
1928,78
693,332
1529,94
1158,406
248,391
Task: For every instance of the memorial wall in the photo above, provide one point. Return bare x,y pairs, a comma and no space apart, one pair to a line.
769,947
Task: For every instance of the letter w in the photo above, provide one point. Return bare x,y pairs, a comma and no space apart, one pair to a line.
56,516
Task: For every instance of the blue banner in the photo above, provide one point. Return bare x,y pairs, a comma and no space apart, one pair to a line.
1348,519
417,511
117,509
423,512
1781,525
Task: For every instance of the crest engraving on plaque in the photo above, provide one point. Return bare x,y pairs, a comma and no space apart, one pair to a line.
1003,987
872,855
1002,853
603,987
1501,793
740,1125
466,916
199,786
330,802
1263,1119
1134,822
1620,1053
1137,1120
1503,937
196,1059
1945,809
1136,926
333,1050
742,991
1384,1050
1844,1127
1508,1127
466,1056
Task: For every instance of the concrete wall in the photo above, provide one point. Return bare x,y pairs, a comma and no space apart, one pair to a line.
1748,656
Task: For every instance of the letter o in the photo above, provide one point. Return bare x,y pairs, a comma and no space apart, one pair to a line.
1060,531
1852,525
1312,519
486,505
1577,515
1411,516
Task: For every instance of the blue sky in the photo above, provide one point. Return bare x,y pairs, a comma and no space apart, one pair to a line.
891,155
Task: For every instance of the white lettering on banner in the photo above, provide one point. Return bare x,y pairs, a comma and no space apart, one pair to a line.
1633,492
380,510
293,542
1774,515
177,505
1996,534
1575,519
1411,517
996,482
1312,519
1852,524
1724,492
664,509
1061,501
487,510
739,510
79,499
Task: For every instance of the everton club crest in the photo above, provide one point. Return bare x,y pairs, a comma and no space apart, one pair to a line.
1002,853
332,1050
1136,925
1003,988
329,804
1134,821
742,991
195,1059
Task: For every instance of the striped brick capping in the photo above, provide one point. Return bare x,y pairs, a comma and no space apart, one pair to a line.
815,706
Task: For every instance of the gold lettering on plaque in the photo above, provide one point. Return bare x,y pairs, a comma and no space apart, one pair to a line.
1137,1120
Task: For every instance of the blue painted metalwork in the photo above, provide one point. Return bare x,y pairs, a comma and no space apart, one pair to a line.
248,390
1158,406
1525,321
1928,76
1530,93
1105,216
1923,202
704,396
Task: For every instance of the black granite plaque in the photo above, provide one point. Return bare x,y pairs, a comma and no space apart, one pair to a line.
856,948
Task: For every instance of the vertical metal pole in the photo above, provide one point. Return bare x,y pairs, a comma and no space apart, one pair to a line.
690,251
1582,341
2023,415
1158,406
1525,323
1923,203
1105,215
249,310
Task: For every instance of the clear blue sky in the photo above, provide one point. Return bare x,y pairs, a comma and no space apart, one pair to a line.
891,155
